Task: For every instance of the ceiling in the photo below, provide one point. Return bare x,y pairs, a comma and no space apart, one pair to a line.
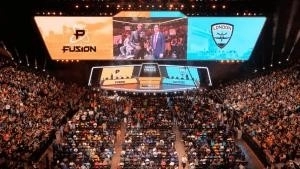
95,7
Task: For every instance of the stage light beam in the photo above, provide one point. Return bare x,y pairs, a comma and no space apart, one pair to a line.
275,20
293,47
290,23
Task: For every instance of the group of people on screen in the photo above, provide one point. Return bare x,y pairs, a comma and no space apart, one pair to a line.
156,42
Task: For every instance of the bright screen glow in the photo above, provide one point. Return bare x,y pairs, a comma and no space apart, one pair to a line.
78,38
181,75
117,72
183,38
223,38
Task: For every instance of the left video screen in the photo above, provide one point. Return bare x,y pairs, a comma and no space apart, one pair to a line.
77,38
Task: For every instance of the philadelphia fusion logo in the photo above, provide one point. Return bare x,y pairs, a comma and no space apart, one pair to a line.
222,33
79,36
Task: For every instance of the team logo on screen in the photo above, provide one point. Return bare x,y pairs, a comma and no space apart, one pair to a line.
78,38
222,33
80,34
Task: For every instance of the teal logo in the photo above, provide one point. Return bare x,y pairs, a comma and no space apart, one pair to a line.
222,33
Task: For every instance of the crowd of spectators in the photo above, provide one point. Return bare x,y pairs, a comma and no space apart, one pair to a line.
36,109
267,112
32,106
207,133
88,138
149,139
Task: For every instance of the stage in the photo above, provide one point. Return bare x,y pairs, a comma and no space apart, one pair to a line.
162,88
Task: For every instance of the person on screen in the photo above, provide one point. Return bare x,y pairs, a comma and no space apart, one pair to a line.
157,43
137,39
126,48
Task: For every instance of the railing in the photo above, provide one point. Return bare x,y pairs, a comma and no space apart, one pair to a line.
256,148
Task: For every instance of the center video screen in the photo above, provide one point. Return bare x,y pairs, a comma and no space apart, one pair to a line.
149,35
149,38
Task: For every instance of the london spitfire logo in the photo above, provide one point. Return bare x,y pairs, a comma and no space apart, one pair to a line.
222,33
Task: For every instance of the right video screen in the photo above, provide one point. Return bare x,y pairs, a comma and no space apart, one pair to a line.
222,38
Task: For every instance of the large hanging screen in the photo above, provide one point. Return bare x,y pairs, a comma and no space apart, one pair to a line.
223,38
158,35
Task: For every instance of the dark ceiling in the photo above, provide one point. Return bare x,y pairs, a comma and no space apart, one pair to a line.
94,7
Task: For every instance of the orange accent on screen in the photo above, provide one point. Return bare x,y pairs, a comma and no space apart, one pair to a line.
133,14
92,36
